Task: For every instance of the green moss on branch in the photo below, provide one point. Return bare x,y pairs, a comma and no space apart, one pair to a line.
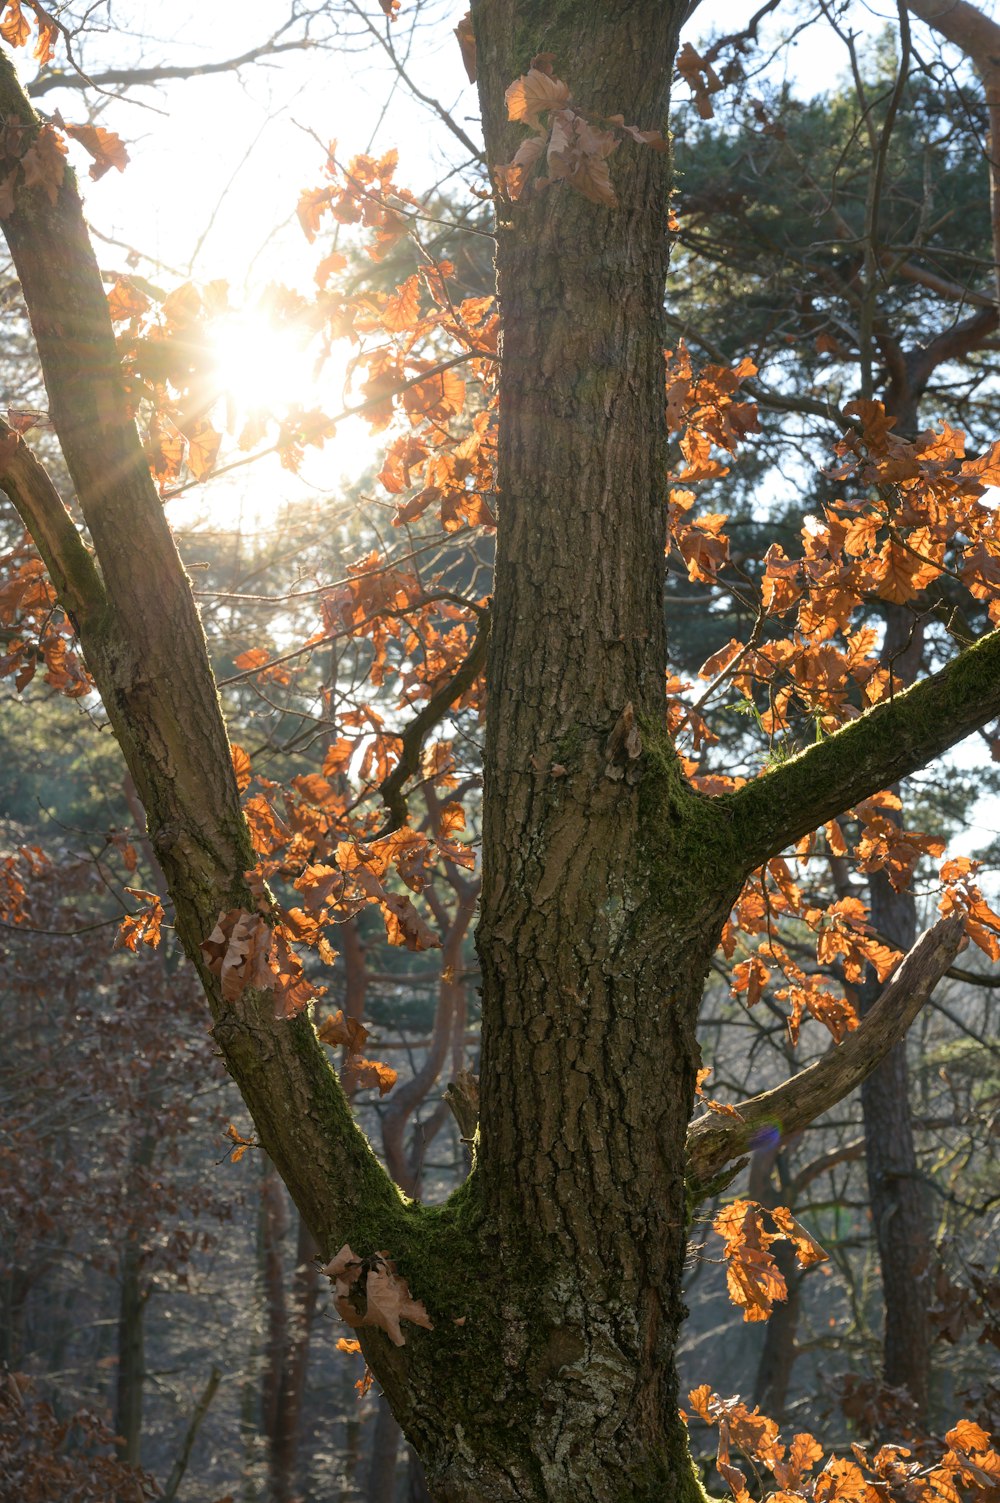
888,743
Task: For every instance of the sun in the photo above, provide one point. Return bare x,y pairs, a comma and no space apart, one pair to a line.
263,367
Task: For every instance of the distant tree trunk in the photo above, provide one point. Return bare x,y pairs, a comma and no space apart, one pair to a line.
131,1352
289,1326
898,1201
380,1486
898,1204
132,1309
774,1368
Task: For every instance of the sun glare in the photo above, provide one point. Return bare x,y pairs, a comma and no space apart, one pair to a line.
265,369
263,366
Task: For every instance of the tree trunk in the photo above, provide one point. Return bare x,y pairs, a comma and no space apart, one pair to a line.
132,1306
588,982
380,1485
131,1353
289,1325
900,1214
898,1200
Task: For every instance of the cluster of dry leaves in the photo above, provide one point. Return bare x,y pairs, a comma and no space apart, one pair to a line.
575,143
371,1292
914,511
36,158
754,1280
966,1470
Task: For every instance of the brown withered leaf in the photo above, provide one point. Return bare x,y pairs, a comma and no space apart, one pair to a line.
402,309
237,952
364,1074
513,175
390,1301
375,1282
807,1249
15,28
754,1279
44,163
143,926
106,148
653,138
578,152
292,991
467,43
241,767
404,925
701,78
532,94
240,1144
48,30
337,1029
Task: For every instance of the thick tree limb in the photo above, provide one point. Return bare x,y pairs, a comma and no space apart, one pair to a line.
714,1140
71,568
887,743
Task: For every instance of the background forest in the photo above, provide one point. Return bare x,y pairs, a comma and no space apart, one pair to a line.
163,1320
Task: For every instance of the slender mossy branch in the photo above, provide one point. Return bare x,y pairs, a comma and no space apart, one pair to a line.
889,742
41,509
713,1140
434,711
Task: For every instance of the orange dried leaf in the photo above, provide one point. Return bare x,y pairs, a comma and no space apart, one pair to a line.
143,926
467,43
532,94
106,148
44,163
338,1029
15,27
241,767
366,1074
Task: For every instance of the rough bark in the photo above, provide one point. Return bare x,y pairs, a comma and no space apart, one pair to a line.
589,1052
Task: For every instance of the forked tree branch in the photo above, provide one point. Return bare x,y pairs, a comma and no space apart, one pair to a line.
39,505
714,1140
